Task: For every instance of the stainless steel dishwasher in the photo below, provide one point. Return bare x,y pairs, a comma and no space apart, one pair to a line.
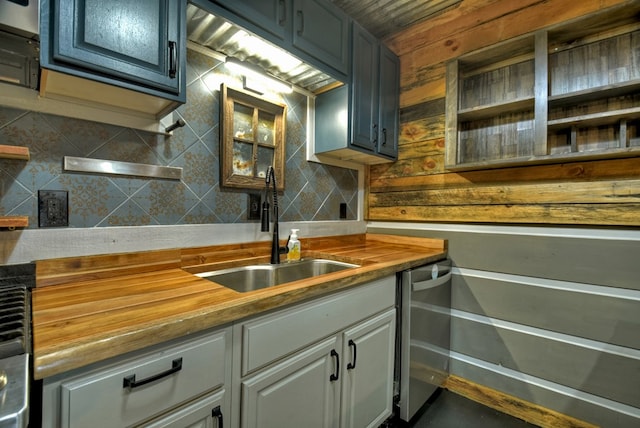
425,319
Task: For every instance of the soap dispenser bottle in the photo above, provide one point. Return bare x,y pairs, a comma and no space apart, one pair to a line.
294,246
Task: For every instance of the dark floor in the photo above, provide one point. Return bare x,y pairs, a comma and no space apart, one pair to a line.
449,410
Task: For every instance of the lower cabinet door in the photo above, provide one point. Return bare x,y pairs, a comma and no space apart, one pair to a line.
207,412
301,391
367,394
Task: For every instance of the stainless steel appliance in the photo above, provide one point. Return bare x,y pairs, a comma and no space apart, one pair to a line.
15,344
425,319
20,17
19,46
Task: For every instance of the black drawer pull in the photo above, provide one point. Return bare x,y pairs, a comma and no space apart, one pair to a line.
352,364
301,22
375,134
335,376
216,413
283,13
130,381
173,60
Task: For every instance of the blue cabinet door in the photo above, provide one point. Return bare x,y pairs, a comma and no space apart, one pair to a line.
364,84
270,15
321,30
133,42
389,102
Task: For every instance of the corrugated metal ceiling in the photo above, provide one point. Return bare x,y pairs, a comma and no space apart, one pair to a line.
386,17
227,39
380,17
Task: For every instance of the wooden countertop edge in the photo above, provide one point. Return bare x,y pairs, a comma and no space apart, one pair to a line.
91,348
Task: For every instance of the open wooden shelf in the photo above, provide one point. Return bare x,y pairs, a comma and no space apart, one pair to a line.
18,153
546,98
548,159
11,222
595,119
14,152
496,109
591,94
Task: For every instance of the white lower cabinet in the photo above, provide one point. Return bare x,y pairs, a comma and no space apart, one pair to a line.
297,392
160,387
367,381
326,363
203,413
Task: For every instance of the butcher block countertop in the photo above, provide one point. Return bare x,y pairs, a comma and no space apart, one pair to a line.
87,309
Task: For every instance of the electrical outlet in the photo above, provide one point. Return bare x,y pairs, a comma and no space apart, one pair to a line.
343,210
53,208
253,213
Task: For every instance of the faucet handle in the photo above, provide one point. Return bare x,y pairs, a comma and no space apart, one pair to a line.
285,249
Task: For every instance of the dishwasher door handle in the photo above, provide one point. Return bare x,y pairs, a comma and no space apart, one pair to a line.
431,283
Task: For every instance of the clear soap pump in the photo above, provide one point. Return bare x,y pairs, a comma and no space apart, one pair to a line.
294,246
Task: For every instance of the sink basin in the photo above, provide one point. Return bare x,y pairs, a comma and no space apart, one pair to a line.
255,277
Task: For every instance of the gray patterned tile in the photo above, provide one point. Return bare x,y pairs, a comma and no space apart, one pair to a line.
167,201
128,214
91,198
312,191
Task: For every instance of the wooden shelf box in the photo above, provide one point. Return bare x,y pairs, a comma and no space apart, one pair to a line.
560,93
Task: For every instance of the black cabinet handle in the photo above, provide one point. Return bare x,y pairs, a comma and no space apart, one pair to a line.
130,381
335,376
375,134
216,413
384,134
352,364
283,12
173,63
301,20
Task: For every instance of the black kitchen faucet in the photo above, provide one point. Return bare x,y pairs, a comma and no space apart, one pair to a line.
276,249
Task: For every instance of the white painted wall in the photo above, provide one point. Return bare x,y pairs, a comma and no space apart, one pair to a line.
31,244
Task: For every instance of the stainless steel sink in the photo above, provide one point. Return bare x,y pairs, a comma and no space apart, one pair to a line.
255,277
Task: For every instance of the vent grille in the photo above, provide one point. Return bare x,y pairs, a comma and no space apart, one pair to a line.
14,320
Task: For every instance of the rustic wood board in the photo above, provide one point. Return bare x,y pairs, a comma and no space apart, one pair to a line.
426,49
11,222
97,307
14,152
511,405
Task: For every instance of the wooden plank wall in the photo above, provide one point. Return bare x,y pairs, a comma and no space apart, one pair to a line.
544,314
418,188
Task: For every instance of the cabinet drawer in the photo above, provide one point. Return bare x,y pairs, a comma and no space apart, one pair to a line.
102,399
274,336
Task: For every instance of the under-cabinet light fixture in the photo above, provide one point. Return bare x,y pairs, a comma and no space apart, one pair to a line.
256,79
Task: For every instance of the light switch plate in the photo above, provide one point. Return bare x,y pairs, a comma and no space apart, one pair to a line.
53,208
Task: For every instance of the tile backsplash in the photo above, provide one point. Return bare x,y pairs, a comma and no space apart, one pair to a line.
313,192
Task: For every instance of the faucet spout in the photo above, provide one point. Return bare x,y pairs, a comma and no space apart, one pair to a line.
276,249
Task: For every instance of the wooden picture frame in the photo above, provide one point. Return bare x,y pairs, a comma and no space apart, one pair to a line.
252,137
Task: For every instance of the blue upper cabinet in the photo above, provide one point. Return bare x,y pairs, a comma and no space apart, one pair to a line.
322,30
271,15
375,83
364,84
389,102
138,45
369,133
317,31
